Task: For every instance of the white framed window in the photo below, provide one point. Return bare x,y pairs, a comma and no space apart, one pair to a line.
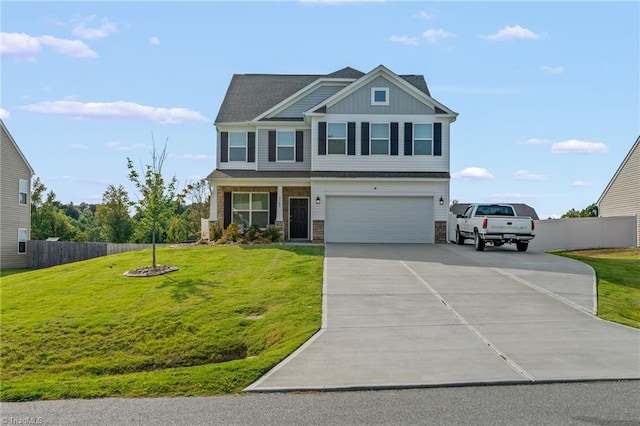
237,146
285,146
23,192
250,208
422,139
379,96
336,138
379,139
22,240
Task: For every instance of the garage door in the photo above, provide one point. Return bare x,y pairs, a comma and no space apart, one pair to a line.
379,219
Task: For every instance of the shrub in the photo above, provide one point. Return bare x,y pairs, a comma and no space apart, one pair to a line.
232,234
215,233
253,232
272,233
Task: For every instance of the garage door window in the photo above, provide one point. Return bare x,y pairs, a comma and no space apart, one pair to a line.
251,208
380,138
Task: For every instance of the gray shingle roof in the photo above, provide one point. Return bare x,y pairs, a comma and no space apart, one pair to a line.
249,95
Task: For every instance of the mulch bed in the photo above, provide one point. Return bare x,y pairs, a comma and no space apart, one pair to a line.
150,271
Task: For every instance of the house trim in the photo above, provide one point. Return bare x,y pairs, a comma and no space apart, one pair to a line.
6,131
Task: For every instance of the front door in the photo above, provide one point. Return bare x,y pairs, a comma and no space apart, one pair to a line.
298,218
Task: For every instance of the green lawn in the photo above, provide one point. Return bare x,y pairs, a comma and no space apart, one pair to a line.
618,273
83,330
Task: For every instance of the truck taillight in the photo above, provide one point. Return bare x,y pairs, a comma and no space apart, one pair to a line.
533,225
485,223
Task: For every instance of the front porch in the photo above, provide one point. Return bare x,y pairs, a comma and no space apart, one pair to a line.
287,207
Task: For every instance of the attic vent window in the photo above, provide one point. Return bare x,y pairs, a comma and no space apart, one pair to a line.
379,96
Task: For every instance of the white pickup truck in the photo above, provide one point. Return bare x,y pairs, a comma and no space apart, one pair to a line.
495,224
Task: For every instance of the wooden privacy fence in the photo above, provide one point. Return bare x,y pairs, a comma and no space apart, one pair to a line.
43,254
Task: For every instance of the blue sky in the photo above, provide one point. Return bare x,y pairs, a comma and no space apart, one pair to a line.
548,93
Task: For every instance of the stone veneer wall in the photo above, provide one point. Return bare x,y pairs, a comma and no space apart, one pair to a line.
441,231
318,231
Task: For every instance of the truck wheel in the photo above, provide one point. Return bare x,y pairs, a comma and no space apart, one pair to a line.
459,237
478,243
522,246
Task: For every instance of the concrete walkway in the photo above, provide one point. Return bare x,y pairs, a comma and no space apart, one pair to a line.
430,315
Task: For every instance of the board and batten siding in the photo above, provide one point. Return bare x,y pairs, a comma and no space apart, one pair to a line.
13,215
309,101
400,102
262,141
387,163
622,197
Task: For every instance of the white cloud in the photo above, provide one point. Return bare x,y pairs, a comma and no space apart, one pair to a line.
19,45
526,175
423,15
24,46
433,36
78,147
579,183
4,114
155,41
117,110
73,48
513,33
537,141
552,70
473,173
117,146
103,30
574,146
195,157
409,41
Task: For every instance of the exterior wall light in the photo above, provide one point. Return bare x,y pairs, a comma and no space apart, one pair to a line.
441,201
318,200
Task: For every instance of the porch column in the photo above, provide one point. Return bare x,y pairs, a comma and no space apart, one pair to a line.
279,209
213,204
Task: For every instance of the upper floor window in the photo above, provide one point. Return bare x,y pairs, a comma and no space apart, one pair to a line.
22,240
337,138
23,192
379,138
423,139
379,96
251,208
237,146
286,146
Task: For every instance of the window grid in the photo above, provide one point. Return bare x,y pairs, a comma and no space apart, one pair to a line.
250,207
285,146
379,139
23,193
337,138
422,139
237,146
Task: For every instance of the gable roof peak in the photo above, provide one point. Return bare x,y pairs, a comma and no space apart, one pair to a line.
346,72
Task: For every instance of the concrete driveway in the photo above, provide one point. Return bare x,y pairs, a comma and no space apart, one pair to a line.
430,315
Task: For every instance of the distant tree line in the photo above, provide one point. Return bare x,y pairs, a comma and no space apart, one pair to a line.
589,211
118,218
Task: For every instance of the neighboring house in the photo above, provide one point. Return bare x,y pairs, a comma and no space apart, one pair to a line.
621,197
342,157
15,203
521,209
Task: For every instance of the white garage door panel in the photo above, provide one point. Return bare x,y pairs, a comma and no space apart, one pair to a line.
379,220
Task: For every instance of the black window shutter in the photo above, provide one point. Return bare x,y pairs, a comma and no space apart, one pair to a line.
322,138
299,146
394,138
224,147
251,149
364,138
272,145
437,138
273,205
351,138
227,209
408,138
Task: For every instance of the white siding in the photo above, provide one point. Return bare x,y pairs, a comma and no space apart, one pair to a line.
13,216
387,163
622,197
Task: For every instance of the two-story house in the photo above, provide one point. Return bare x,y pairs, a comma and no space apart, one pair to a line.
15,203
342,157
